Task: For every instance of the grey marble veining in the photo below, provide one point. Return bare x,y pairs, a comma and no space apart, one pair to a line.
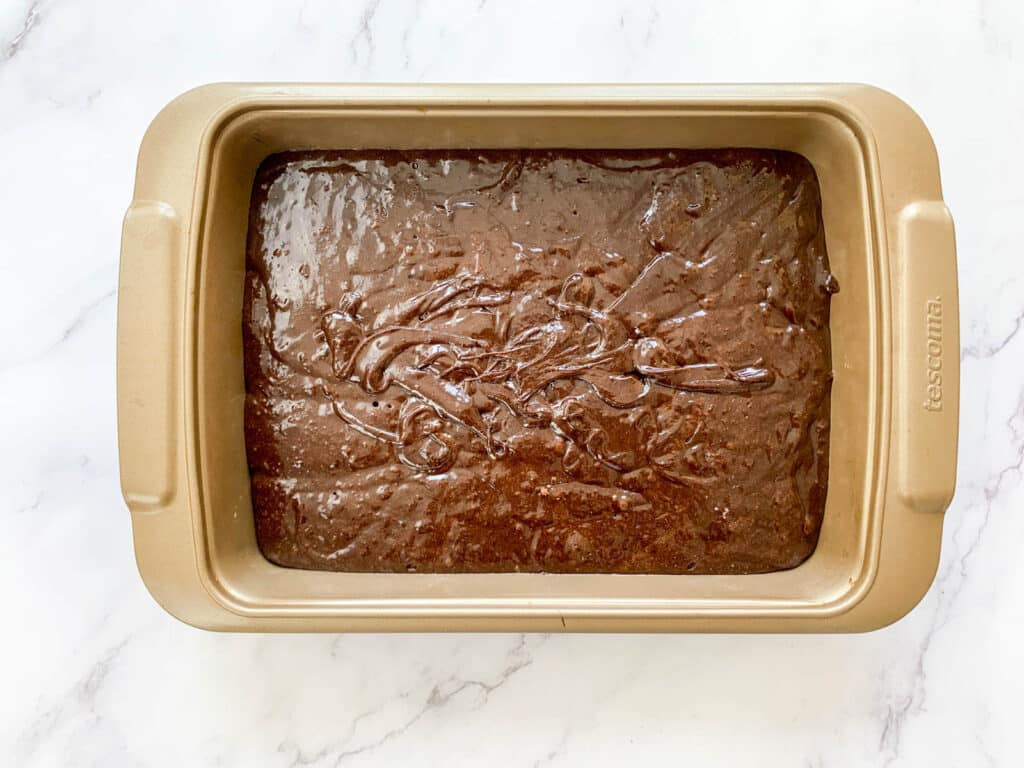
94,673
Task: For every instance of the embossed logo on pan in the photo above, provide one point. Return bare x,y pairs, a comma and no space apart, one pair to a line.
933,325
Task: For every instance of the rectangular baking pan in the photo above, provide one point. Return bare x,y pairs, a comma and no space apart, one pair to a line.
894,332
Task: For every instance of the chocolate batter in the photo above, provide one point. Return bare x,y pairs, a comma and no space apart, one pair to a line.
560,361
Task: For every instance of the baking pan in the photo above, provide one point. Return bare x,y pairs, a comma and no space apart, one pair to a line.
894,329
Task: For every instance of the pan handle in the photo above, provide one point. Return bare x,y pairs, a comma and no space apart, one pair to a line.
927,353
148,354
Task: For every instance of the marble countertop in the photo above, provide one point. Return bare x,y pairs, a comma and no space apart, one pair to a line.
93,672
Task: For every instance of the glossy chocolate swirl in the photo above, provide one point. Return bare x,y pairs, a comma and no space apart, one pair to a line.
537,361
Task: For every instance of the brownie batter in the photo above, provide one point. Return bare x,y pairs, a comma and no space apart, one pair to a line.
544,361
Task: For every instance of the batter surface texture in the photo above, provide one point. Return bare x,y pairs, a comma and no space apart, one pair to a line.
543,361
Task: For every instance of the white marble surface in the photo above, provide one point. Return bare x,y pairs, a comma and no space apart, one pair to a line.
92,672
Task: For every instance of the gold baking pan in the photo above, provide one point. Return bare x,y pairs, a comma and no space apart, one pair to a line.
894,329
